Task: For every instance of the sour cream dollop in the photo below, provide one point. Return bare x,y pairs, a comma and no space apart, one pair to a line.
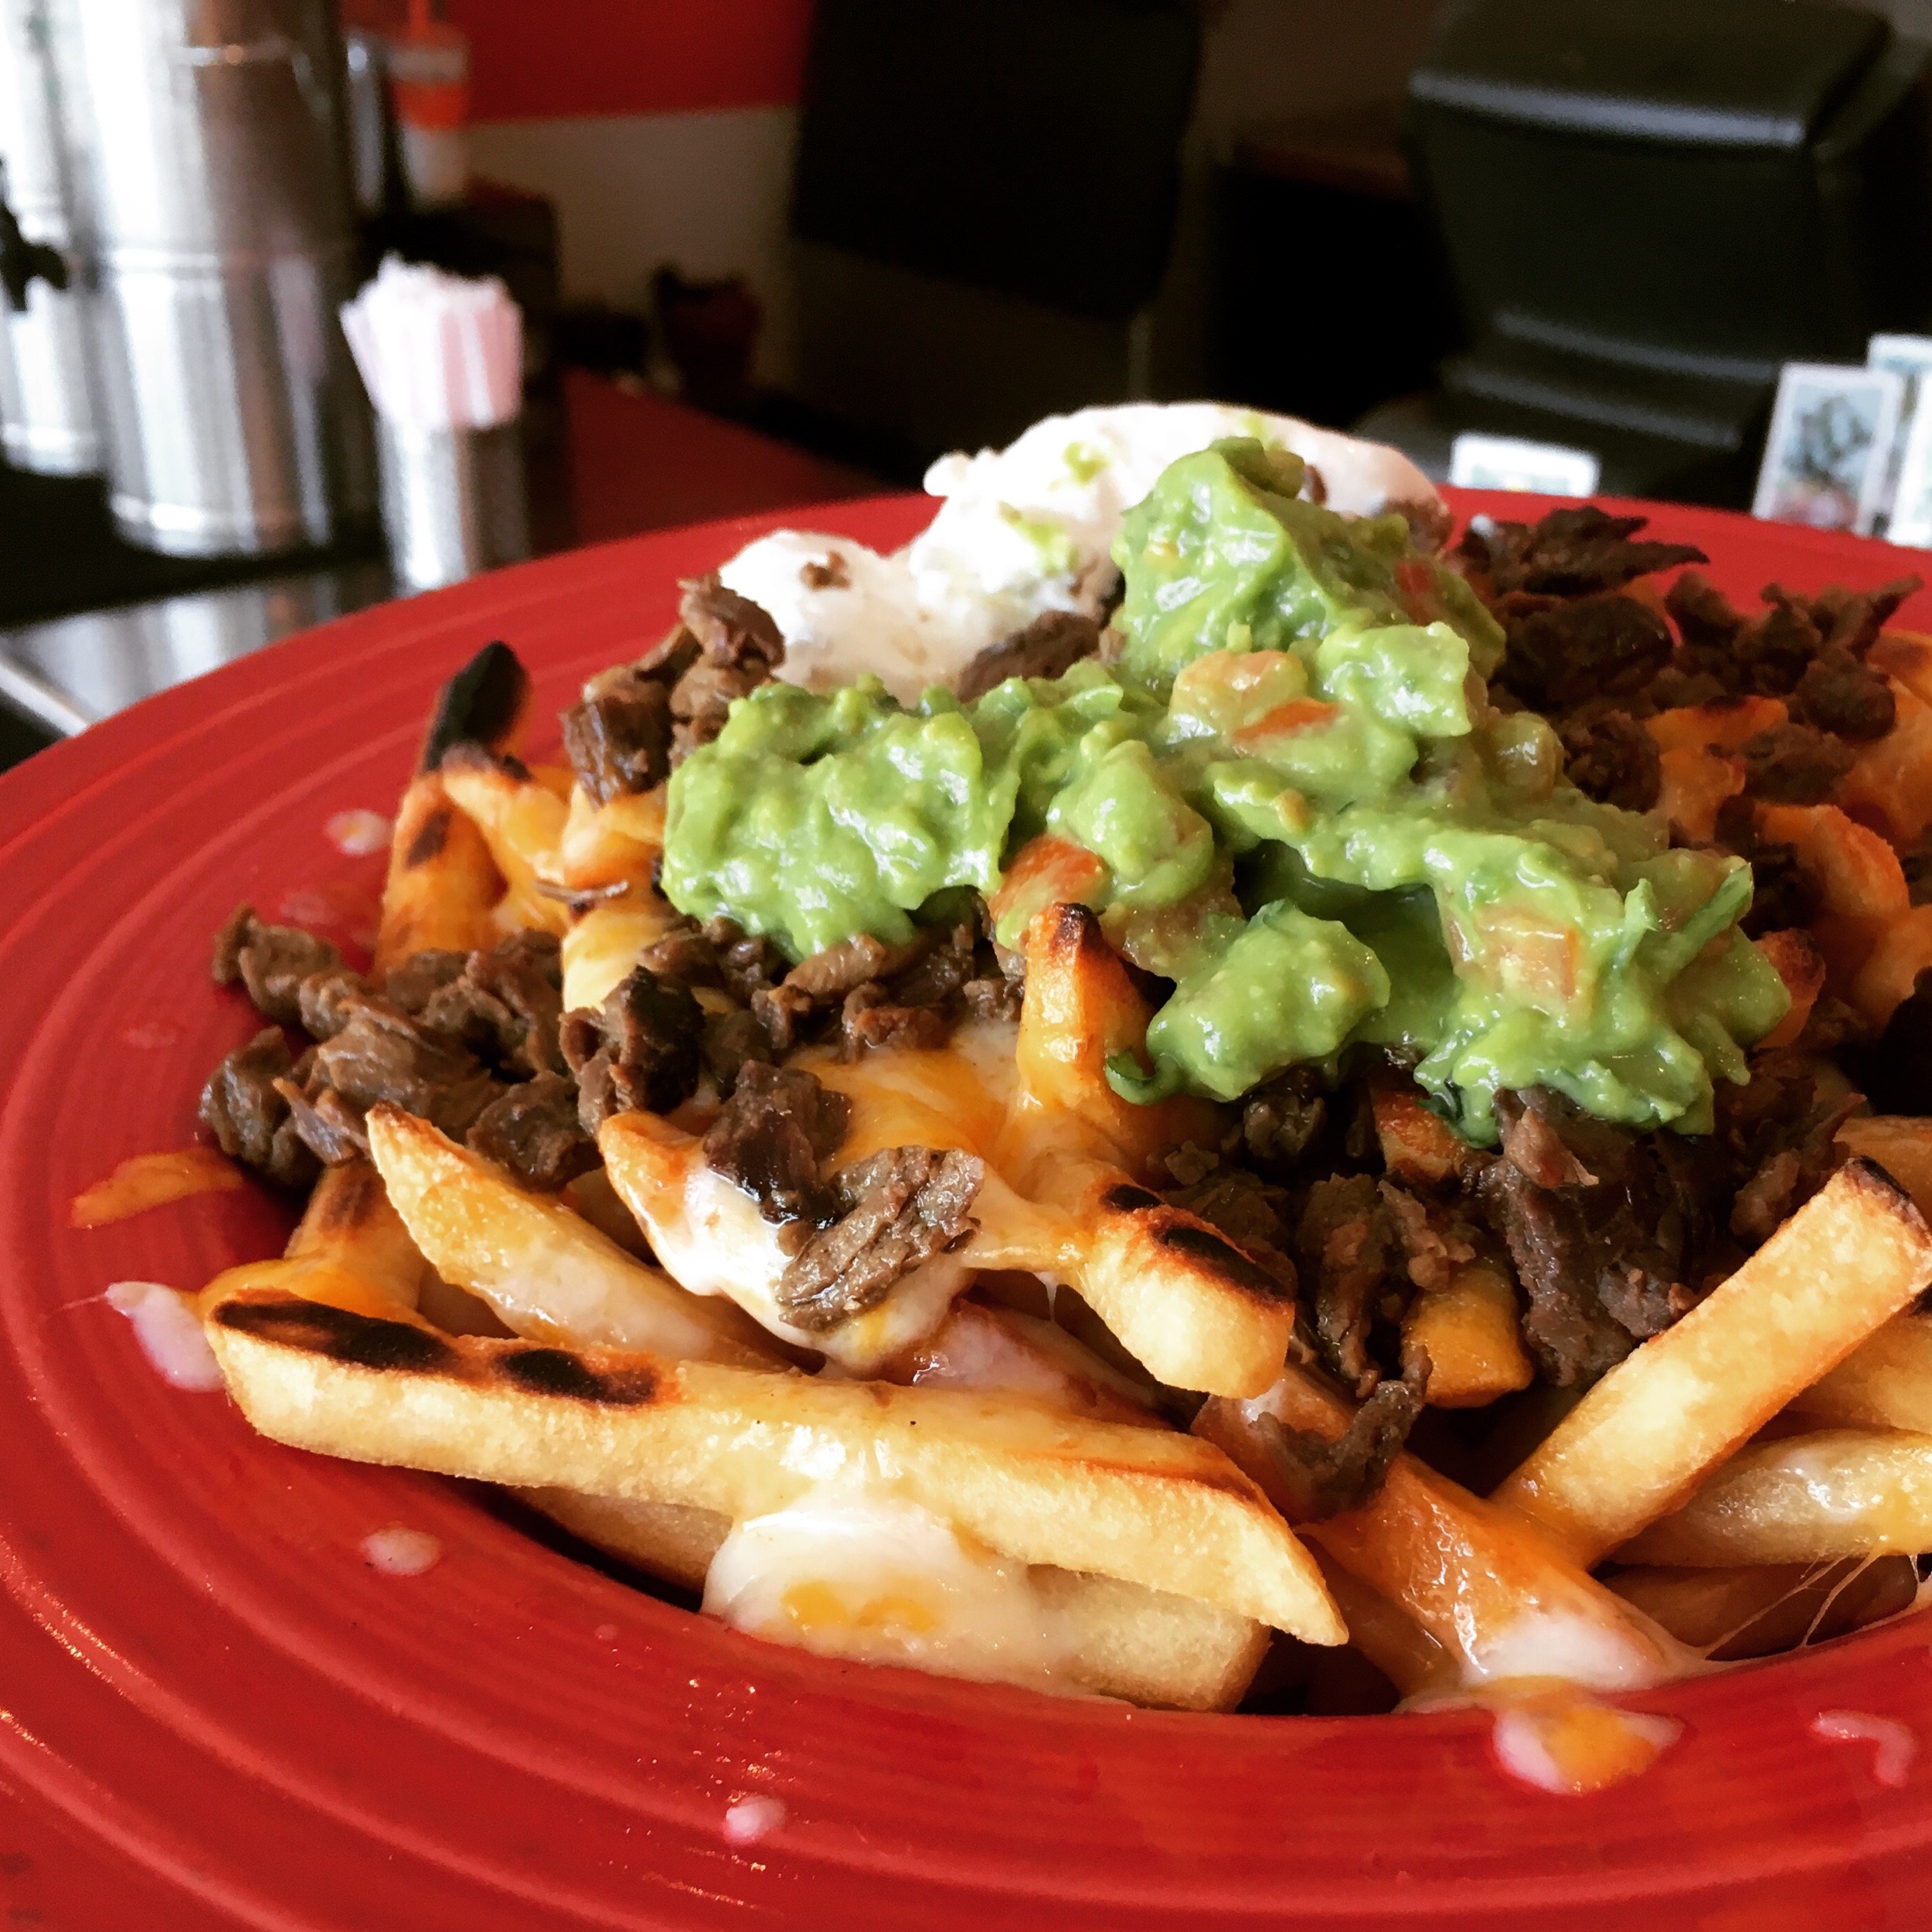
1020,532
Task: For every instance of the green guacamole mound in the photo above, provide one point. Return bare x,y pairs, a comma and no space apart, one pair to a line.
1308,817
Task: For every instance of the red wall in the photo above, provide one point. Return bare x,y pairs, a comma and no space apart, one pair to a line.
567,58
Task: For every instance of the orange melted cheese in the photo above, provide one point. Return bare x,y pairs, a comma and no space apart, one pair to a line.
152,1180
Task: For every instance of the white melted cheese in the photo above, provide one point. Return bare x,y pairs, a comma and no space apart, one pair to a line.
848,1571
1019,532
719,1243
1579,1650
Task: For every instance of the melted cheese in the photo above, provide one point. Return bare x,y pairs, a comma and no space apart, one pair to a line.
855,1572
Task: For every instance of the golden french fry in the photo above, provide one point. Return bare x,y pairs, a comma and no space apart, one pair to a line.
1886,1382
442,881
1386,1634
1727,725
547,1272
1482,1584
1899,1143
1759,1610
603,942
350,1250
611,845
522,822
1797,961
1146,1645
1644,1437
1694,783
1470,1329
1901,951
1890,782
1859,873
1420,1148
1145,1506
1803,1499
1080,1009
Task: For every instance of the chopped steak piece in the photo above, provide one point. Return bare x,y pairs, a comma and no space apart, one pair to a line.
1256,1215
505,1006
383,1054
1568,553
1052,645
994,996
329,1128
945,962
870,1019
746,962
896,1212
1772,653
1897,1073
1434,1243
730,1040
1849,619
1283,1119
410,985
322,1000
533,1131
271,961
1838,694
1706,619
1607,1261
642,1051
686,953
618,738
1324,1478
1782,1135
542,951
249,1117
1611,756
739,646
1347,1251
1571,652
772,1133
1791,764
823,981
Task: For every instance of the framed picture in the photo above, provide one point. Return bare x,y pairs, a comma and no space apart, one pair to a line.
1910,523
1830,440
1910,358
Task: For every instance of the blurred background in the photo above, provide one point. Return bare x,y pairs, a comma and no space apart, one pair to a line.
759,252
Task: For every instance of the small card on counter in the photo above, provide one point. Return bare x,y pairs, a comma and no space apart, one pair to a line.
1910,358
1481,462
1826,458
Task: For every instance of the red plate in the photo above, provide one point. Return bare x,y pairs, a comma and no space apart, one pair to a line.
214,1713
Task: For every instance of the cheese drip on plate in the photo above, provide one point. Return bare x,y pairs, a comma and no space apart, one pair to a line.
1020,532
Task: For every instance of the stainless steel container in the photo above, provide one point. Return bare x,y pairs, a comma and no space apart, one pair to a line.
212,190
453,502
47,418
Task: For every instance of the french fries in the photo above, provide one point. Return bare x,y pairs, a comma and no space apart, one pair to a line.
1146,1645
1144,1506
1760,1609
546,1272
1799,964
1668,1414
522,821
1886,1382
1486,1588
442,882
1803,1499
1469,1329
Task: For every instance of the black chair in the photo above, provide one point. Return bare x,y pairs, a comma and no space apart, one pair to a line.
1648,206
984,205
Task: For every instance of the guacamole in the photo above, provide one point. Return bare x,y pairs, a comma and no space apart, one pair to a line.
1305,814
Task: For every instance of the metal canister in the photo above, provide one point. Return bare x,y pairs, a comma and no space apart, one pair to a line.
211,184
47,420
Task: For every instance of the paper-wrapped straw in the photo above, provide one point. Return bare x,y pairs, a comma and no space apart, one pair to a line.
437,352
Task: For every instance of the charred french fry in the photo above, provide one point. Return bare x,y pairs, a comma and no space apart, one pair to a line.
442,881
1144,1506
522,821
1800,965
1644,1437
546,1272
1803,1499
1486,1586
